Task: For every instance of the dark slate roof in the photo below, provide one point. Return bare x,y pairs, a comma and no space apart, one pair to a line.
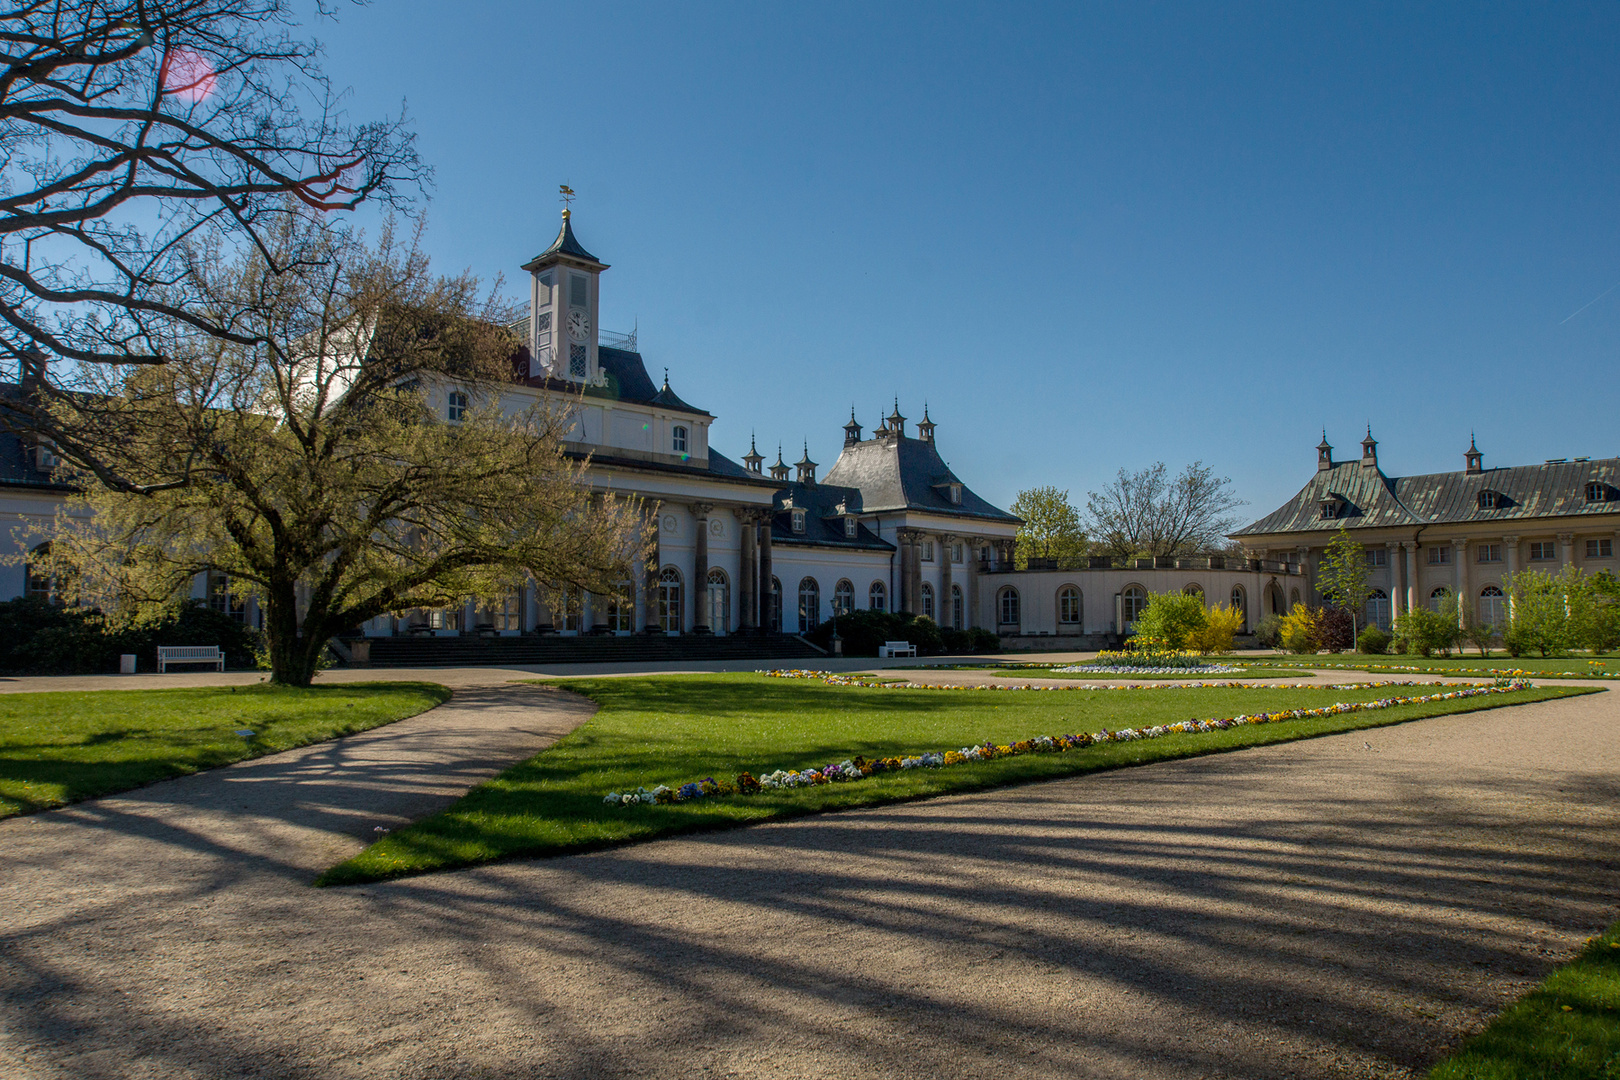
903,474
625,379
565,244
1556,489
822,526
16,456
719,467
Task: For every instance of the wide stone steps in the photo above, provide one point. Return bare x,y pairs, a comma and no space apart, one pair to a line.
459,651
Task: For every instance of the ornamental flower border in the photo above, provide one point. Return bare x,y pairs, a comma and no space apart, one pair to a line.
872,682
1093,669
860,768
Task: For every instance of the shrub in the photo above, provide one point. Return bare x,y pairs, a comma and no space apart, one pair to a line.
864,631
1297,633
1427,632
1221,626
38,637
1268,634
1333,628
1170,617
1373,641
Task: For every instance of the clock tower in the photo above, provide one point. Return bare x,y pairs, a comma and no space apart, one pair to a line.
564,285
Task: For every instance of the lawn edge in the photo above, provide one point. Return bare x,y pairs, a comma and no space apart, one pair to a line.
181,774
329,878
1457,1065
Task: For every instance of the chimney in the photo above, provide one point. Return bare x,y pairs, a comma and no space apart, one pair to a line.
1369,450
1324,454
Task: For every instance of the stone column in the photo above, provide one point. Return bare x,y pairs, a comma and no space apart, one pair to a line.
748,571
1510,551
1303,554
1459,559
649,581
700,569
1566,542
970,581
766,602
1392,556
942,602
910,575
586,609
1411,574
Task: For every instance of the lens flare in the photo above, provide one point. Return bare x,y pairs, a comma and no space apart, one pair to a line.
188,75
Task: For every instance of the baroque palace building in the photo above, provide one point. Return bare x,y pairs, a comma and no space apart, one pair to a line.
1455,533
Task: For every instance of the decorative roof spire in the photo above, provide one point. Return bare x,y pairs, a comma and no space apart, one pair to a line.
752,459
897,423
806,467
1369,449
1324,453
780,470
852,430
1475,460
925,427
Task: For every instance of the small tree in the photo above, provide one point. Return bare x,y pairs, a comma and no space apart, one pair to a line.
1426,632
1343,575
1547,610
1051,528
1148,513
1220,629
312,471
1170,618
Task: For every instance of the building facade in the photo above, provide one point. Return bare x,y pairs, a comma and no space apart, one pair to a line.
1456,533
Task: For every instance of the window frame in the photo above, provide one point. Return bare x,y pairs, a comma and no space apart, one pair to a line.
1543,551
809,593
1595,545
1064,599
456,404
843,597
1009,607
679,438
877,596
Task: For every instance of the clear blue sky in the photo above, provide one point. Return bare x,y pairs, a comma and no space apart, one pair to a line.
1090,236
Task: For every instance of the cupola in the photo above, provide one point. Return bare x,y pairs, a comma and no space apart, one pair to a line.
1324,454
852,430
752,459
806,467
925,429
897,423
780,471
1475,460
1369,450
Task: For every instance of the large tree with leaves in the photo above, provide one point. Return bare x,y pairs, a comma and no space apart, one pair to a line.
310,466
1051,528
130,130
1149,513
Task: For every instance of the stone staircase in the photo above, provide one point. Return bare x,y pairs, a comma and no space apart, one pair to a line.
513,651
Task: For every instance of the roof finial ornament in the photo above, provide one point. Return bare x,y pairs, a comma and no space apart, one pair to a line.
666,376
567,194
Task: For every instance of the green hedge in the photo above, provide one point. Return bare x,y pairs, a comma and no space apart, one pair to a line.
864,631
41,638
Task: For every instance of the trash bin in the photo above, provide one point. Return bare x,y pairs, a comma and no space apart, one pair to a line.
126,664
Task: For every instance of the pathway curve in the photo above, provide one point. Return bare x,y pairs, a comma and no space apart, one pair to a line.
1330,908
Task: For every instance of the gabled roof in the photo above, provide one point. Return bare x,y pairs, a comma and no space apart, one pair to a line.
565,244
1556,489
907,474
624,376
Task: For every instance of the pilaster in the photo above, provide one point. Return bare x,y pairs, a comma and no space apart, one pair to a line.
700,568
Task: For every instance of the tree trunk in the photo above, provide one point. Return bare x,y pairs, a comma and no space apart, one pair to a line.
293,658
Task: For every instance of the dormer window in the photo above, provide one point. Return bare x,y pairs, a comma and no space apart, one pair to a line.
46,458
850,527
678,438
455,409
956,494
1492,500
1597,491
798,521
1332,508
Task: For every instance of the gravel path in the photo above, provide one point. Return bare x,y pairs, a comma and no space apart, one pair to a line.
1345,906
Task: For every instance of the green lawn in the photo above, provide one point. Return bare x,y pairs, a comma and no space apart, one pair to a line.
671,729
1568,1028
57,748
1605,666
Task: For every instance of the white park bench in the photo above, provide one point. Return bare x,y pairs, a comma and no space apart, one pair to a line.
189,654
897,648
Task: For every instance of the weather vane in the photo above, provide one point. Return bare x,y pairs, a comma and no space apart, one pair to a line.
567,195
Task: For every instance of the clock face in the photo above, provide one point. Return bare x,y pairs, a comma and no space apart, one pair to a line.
579,325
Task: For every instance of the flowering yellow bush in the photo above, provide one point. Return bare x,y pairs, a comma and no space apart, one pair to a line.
1221,625
1298,632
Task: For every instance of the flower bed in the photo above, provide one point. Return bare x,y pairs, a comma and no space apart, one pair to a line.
860,768
1154,659
872,682
1122,669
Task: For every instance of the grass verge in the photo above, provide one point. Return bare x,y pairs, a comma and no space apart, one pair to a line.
671,729
1606,666
1568,1028
60,747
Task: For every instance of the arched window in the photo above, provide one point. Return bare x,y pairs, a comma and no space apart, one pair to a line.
1240,604
1007,613
567,609
678,437
773,619
1437,598
1274,594
719,602
1492,607
809,605
958,619
669,600
455,408
1293,597
843,597
223,600
1069,606
1378,609
877,597
928,600
621,609
1194,589
1132,602
41,582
